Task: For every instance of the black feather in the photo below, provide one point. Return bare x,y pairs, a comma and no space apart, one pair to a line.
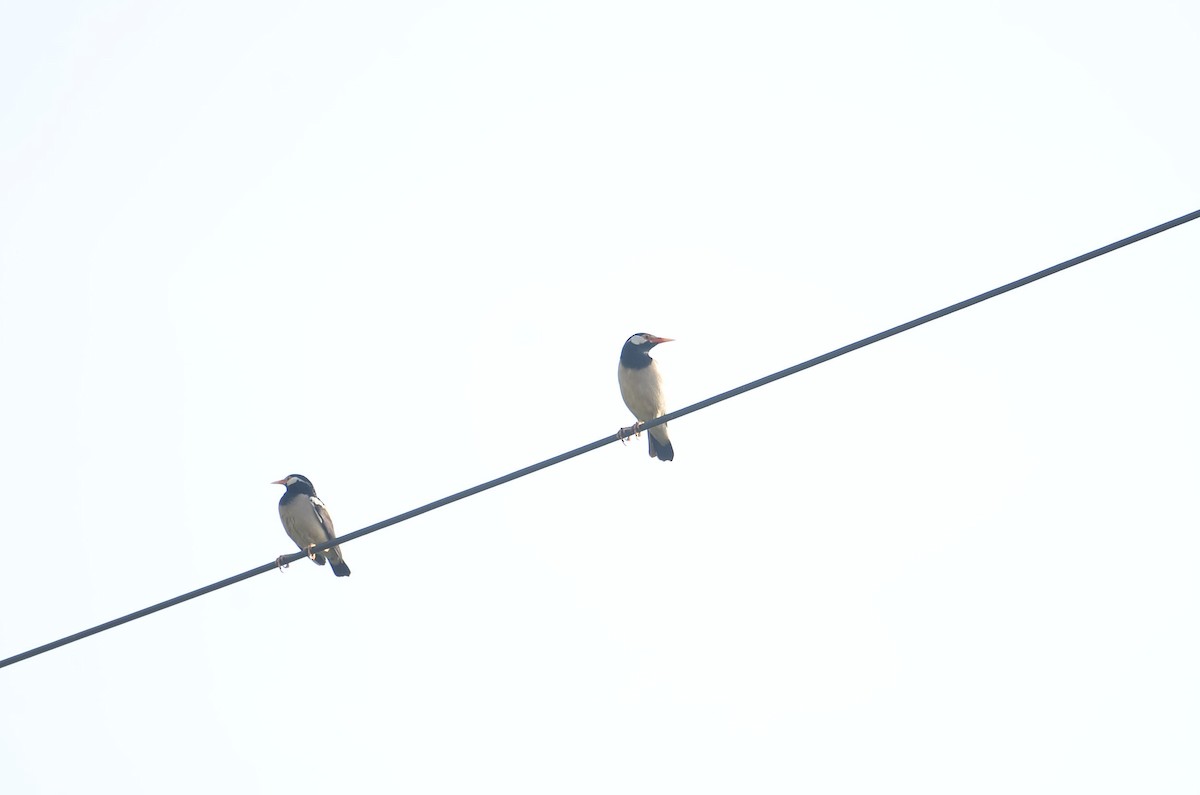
637,357
663,451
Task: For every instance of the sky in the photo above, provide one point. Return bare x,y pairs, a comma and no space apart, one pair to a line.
396,247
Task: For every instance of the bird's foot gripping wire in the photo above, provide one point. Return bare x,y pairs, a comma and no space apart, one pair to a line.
280,564
311,551
633,430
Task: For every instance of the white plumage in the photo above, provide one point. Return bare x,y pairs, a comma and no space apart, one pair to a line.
642,391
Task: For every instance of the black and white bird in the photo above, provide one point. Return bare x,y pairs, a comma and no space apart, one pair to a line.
641,389
307,522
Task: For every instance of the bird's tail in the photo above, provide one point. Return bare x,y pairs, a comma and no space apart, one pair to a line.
340,569
661,448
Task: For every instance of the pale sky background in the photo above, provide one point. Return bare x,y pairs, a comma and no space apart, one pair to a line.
396,247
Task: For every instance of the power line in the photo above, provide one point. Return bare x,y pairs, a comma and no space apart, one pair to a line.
606,440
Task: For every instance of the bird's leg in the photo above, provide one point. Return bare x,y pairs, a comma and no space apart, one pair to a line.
624,433
279,562
311,550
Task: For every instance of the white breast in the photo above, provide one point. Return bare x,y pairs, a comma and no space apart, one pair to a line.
643,393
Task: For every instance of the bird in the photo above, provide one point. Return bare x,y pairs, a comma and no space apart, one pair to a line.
641,389
307,522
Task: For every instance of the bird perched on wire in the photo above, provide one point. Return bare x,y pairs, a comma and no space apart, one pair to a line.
641,389
307,522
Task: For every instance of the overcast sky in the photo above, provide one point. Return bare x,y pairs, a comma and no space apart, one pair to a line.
396,247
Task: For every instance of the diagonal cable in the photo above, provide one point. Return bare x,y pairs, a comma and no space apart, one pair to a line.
587,448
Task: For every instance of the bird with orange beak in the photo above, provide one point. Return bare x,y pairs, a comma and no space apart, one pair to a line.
641,389
307,522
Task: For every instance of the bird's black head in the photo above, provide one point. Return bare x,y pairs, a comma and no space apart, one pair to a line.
636,352
297,484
